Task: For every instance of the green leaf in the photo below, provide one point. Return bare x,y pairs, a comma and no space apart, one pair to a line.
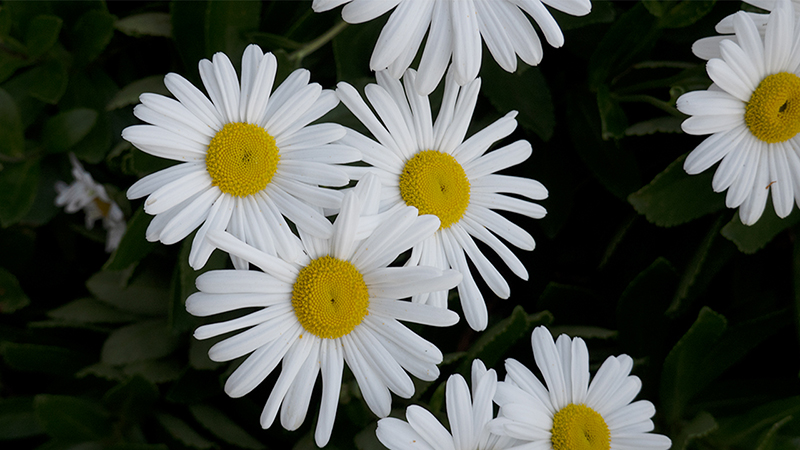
612,165
583,331
5,22
495,342
710,255
767,441
668,124
198,354
155,371
45,359
686,360
224,428
17,419
48,81
66,129
640,311
92,33
352,49
226,24
133,246
89,310
142,341
71,418
145,295
182,432
602,12
269,41
189,33
12,297
745,428
146,24
701,426
796,284
750,239
12,138
674,14
617,50
129,95
505,89
18,183
132,400
612,118
42,34
675,197
184,285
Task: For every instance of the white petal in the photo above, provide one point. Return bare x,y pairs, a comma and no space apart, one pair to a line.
466,41
437,52
413,312
259,365
331,366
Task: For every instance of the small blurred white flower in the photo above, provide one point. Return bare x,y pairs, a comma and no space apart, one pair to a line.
86,194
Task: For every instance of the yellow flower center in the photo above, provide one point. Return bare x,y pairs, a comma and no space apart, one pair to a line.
242,159
330,297
435,183
103,206
773,112
578,427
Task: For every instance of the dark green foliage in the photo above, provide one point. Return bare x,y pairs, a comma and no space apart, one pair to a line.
635,256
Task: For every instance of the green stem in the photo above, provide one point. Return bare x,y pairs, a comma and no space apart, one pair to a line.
660,104
314,45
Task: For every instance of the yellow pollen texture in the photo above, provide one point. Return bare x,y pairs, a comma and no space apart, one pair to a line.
435,183
242,159
773,112
330,297
578,427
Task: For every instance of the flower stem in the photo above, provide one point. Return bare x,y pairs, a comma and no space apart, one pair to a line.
314,45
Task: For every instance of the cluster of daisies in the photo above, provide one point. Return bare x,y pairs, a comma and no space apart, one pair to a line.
258,178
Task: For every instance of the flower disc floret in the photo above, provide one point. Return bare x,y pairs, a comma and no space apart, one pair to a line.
578,427
330,297
773,111
435,183
242,158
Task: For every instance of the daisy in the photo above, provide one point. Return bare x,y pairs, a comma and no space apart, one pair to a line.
752,112
336,305
469,417
707,48
247,157
86,194
571,413
456,29
429,165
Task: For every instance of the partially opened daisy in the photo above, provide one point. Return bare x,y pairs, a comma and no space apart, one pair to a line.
456,29
469,415
570,412
708,47
752,112
247,157
429,165
338,304
90,196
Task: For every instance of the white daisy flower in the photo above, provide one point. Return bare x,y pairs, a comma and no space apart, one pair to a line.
247,157
752,112
469,417
571,413
707,48
429,165
336,305
456,29
86,194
